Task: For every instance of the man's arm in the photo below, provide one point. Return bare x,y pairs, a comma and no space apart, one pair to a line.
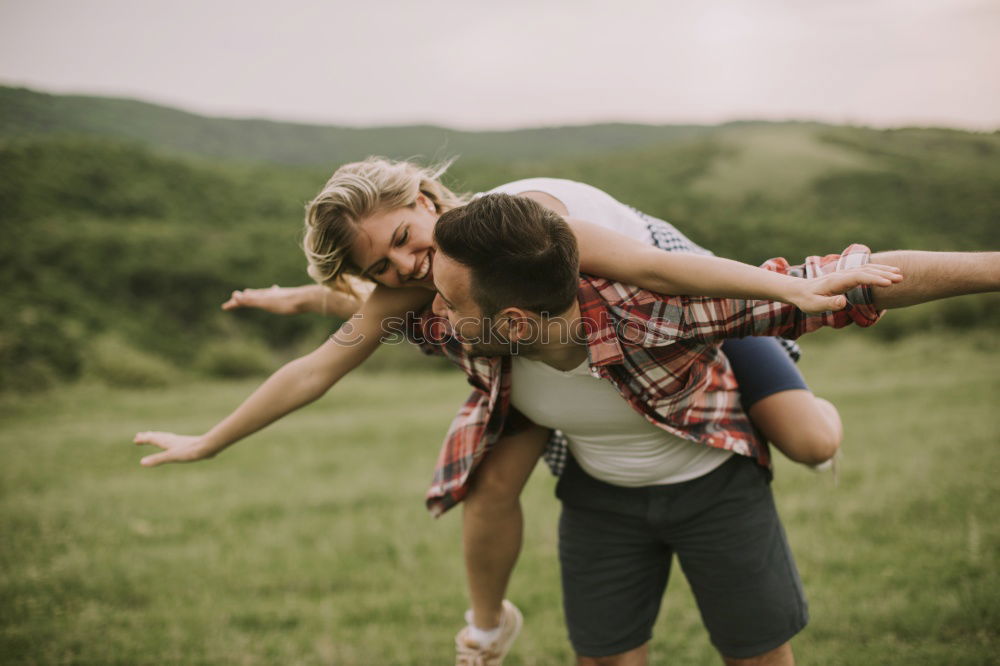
933,275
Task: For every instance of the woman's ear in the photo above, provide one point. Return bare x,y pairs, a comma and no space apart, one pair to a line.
425,201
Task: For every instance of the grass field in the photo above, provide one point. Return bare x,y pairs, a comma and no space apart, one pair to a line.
309,544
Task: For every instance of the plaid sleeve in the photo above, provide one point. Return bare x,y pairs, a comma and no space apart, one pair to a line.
711,320
668,237
656,320
854,256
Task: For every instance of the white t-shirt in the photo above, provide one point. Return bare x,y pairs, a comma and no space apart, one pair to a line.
610,440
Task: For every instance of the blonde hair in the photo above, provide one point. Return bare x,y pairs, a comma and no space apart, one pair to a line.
356,191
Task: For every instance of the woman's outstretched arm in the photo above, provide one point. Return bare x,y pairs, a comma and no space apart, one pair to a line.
609,254
295,384
307,298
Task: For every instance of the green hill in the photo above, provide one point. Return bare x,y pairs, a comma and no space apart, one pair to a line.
776,160
117,249
101,237
753,192
25,113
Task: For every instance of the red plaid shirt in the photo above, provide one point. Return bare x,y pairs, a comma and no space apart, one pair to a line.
660,352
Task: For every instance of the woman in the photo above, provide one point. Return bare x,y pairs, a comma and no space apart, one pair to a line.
374,220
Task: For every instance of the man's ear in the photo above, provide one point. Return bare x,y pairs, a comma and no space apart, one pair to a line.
519,325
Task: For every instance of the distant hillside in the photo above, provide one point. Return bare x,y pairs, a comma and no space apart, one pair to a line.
25,113
117,254
101,237
754,192
777,160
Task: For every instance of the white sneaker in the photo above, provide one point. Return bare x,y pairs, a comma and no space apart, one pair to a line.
470,653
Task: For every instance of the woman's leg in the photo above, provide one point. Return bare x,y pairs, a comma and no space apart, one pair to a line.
805,428
492,520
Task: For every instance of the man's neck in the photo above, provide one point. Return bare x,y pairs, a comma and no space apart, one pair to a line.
563,344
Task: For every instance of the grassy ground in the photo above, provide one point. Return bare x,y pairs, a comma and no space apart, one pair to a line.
308,544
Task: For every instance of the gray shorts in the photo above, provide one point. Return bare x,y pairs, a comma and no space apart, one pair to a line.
616,545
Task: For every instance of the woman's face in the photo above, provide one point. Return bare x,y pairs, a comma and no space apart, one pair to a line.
395,248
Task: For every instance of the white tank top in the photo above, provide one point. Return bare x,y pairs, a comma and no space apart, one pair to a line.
588,203
610,440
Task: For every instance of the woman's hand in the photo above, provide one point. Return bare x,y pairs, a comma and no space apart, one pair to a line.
825,293
307,298
176,448
277,300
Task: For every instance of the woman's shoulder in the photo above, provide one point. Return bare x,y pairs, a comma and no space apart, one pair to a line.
540,184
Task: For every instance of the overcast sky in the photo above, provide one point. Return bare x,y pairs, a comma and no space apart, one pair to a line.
513,63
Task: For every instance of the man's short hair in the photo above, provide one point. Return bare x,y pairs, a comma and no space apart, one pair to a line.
521,254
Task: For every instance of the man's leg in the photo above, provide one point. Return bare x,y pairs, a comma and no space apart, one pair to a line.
614,569
805,428
733,550
636,657
492,521
779,656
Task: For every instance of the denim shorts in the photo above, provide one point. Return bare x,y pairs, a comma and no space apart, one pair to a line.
762,367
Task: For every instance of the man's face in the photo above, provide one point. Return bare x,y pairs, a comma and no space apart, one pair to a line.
454,300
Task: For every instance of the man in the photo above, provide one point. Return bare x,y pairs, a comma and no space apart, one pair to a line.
665,461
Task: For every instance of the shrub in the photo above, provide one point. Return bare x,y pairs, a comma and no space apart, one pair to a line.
117,363
235,358
38,346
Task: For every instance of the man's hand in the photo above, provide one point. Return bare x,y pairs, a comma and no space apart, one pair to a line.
825,293
277,300
176,448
